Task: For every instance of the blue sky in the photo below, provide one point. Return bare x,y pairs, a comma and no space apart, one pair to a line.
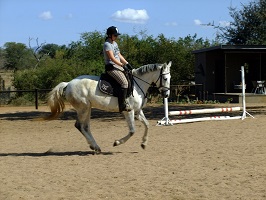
62,21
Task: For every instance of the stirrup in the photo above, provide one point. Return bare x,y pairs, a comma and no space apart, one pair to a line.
127,108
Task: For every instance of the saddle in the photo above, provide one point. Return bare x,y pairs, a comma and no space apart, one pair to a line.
110,86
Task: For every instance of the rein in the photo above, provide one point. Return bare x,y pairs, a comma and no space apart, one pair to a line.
145,95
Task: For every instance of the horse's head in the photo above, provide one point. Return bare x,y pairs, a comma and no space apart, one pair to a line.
163,82
159,77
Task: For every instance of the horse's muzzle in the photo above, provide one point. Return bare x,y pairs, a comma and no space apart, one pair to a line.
165,93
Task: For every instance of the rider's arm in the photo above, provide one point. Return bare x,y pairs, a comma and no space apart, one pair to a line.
122,59
110,54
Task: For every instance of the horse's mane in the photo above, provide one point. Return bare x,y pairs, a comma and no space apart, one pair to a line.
146,68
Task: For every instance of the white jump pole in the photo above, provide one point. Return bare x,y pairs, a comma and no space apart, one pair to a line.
182,121
201,111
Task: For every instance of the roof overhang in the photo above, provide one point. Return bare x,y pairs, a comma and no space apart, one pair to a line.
233,48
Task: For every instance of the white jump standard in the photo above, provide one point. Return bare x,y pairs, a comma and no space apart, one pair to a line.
167,121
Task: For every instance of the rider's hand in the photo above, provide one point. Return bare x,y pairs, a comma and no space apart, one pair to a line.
125,68
129,67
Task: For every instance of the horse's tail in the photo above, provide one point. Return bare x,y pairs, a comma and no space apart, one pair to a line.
56,101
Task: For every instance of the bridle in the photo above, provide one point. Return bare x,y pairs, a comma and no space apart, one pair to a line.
153,84
161,80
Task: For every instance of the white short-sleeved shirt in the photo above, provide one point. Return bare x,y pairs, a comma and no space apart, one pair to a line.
108,46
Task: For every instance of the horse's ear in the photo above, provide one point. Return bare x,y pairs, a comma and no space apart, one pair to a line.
133,71
167,65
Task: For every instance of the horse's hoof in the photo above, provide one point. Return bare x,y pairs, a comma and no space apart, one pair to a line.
143,146
97,152
116,143
97,149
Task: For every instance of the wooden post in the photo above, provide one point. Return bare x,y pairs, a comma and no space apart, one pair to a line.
36,98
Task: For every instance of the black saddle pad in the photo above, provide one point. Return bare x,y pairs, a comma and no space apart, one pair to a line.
109,85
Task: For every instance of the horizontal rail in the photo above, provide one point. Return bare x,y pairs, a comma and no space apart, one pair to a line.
35,91
201,111
10,91
180,121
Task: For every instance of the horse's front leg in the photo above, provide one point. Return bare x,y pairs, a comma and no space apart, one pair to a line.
129,116
141,117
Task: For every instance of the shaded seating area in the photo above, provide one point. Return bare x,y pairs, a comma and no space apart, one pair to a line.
217,69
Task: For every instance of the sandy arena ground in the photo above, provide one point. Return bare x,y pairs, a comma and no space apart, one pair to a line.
205,160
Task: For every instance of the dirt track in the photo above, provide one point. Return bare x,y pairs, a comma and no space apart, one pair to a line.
203,160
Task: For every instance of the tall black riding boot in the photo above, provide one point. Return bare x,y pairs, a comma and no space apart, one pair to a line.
122,100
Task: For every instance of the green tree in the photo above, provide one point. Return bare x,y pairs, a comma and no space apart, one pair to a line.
89,47
17,56
138,51
83,57
180,53
92,43
2,58
248,26
49,49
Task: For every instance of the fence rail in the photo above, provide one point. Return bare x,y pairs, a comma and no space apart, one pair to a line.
36,92
175,91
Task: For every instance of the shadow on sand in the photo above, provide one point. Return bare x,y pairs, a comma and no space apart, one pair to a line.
151,112
65,153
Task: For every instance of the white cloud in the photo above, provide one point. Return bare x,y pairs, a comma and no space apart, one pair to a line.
46,15
69,16
224,23
170,24
131,16
220,24
197,22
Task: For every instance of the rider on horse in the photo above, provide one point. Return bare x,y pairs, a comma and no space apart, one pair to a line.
115,65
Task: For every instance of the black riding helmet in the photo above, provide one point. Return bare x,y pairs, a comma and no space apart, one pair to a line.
112,30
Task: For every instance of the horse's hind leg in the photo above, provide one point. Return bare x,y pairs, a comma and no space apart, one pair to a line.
145,137
83,125
131,125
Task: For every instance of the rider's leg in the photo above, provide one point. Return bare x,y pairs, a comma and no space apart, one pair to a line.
123,105
121,79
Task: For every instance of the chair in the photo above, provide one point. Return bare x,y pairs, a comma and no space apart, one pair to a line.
258,87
